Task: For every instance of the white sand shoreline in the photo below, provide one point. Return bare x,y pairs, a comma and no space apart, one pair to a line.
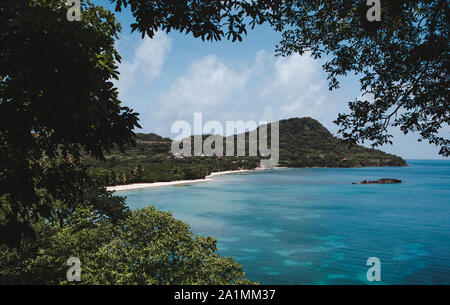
136,186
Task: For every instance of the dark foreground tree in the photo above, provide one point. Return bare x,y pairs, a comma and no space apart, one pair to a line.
57,100
403,62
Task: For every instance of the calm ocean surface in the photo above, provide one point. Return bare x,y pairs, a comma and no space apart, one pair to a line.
312,226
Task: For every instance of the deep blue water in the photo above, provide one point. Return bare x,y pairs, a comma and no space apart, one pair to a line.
312,226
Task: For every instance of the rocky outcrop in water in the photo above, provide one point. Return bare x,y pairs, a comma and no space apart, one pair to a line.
381,181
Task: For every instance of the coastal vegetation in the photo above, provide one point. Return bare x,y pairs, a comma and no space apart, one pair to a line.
304,142
152,161
149,247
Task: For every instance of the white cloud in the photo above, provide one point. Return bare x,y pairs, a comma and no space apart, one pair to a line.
147,64
296,87
207,86
266,89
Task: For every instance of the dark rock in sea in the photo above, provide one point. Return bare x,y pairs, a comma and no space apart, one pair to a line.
382,181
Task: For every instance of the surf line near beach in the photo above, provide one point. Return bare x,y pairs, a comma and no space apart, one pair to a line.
136,186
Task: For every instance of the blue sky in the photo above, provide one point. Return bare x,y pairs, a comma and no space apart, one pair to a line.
170,77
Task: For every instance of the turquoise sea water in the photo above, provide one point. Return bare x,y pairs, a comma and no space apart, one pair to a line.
312,226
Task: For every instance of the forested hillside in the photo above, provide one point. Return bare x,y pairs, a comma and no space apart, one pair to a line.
304,142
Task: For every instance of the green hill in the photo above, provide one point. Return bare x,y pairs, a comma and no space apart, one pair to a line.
304,142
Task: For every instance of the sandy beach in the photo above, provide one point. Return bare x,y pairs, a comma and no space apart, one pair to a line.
136,186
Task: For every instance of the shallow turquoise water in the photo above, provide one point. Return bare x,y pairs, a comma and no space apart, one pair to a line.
312,226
